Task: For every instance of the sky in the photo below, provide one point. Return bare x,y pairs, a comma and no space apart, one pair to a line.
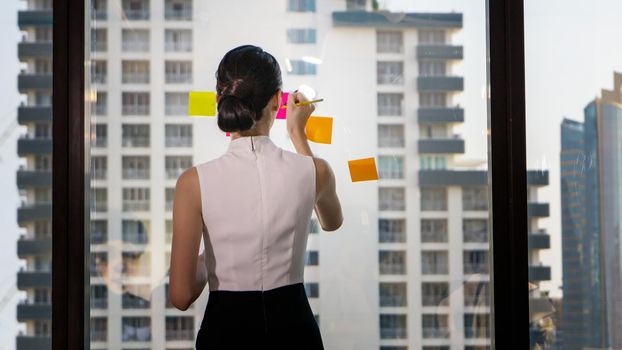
570,57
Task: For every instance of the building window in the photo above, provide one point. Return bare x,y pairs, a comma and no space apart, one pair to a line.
43,162
99,167
135,135
432,68
43,328
390,135
432,162
99,107
432,99
136,328
393,326
169,197
136,199
314,226
433,132
178,135
176,103
391,73
300,67
135,231
475,198
435,326
476,294
135,40
301,36
99,328
179,328
100,139
178,72
43,195
390,104
99,199
99,231
175,165
136,103
433,198
392,262
389,42
476,326
135,264
475,230
391,231
312,289
312,258
432,36
98,264
136,10
391,167
99,296
392,198
435,294
136,167
99,10
301,5
434,262
178,40
135,72
43,229
434,231
42,296
136,296
178,10
99,71
356,4
99,40
392,294
475,261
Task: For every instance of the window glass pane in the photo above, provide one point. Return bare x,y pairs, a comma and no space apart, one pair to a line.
409,267
574,197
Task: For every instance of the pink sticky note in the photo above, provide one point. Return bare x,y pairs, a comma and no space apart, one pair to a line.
227,133
282,111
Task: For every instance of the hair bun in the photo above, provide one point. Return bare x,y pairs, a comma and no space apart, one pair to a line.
235,114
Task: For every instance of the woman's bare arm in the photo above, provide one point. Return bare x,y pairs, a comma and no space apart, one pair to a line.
188,274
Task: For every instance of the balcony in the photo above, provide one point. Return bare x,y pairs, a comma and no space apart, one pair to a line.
38,311
33,246
539,273
386,19
27,50
34,18
33,114
440,83
453,178
538,210
537,178
440,52
27,81
441,146
136,15
29,342
539,241
429,115
34,212
34,178
37,146
33,279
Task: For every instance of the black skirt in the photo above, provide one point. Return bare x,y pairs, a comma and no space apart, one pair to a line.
279,318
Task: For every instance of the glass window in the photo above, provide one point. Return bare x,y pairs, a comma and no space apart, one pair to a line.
176,103
391,73
99,39
99,166
391,230
178,10
178,40
99,71
314,226
475,198
301,5
475,261
136,167
135,231
476,294
178,72
435,326
393,326
432,36
312,290
99,329
178,135
136,328
391,167
136,199
389,42
434,231
390,104
135,72
135,10
392,293
300,67
392,262
301,36
475,230
392,198
175,165
179,328
135,103
312,258
135,135
135,40
433,198
391,135
434,262
435,294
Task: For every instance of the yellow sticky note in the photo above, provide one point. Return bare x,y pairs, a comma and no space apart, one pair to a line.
319,129
202,103
363,169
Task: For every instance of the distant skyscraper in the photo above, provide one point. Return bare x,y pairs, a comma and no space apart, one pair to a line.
596,179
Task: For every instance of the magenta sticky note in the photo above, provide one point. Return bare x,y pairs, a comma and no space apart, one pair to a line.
227,133
282,111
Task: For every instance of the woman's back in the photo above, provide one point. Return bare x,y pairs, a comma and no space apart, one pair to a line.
257,201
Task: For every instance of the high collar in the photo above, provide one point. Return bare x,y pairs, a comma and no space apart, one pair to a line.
248,143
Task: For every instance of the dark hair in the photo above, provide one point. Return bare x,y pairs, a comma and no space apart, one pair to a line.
247,77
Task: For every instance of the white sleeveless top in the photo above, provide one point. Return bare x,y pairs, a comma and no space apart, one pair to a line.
257,201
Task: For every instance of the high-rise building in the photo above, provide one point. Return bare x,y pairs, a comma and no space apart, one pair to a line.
598,184
410,269
34,179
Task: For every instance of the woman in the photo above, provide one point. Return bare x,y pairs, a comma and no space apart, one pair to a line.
252,206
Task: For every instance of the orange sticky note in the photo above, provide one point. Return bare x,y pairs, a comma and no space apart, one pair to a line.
363,169
202,103
319,129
